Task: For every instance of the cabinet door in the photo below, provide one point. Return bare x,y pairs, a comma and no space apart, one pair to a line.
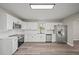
40,37
5,46
53,37
14,44
24,25
10,19
9,22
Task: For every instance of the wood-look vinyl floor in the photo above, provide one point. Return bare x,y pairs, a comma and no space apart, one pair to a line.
47,49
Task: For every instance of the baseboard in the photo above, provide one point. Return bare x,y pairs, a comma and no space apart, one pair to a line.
76,39
34,41
70,44
38,41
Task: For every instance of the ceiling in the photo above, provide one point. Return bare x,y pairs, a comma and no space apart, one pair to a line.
24,12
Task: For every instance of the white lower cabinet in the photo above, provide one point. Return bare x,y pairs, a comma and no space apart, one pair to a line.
5,47
53,38
35,38
8,46
14,44
42,37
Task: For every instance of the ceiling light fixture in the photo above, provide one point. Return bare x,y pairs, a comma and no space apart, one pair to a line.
42,6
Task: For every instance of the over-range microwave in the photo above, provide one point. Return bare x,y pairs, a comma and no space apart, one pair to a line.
16,26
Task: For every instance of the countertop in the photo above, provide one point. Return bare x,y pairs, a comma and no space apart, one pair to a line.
6,34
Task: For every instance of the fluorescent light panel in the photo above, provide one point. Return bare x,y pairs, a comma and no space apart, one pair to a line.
42,6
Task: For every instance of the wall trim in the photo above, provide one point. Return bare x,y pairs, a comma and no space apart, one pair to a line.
76,39
70,44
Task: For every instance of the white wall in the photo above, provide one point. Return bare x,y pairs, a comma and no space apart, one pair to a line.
2,20
72,28
76,29
69,24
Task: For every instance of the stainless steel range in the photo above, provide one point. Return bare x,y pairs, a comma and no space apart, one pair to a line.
20,40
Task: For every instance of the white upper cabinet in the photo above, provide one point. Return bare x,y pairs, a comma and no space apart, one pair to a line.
24,25
6,21
11,20
30,26
36,25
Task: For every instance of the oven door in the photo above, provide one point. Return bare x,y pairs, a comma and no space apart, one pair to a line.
20,41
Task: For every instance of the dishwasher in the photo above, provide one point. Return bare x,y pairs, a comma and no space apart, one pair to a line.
48,38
